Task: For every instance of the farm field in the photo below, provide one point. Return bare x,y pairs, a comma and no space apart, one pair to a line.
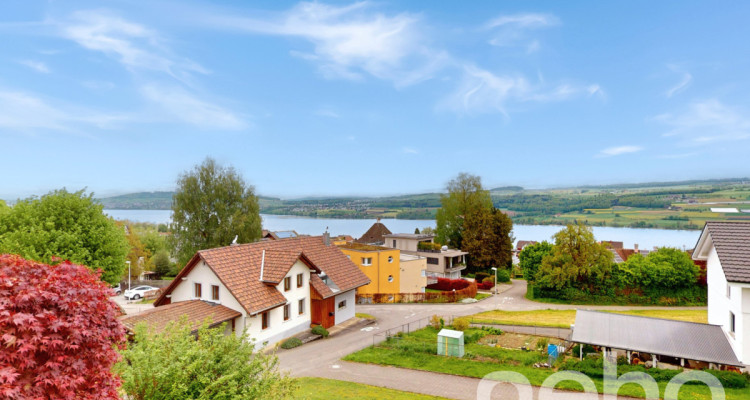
564,318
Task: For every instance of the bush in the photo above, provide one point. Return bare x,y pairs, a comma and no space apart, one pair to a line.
503,275
320,331
460,324
486,286
291,343
489,280
731,379
436,322
428,246
449,285
541,345
481,276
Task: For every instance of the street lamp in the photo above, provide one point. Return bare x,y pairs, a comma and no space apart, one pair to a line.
495,287
128,262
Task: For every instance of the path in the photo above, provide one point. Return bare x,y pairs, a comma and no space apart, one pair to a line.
322,358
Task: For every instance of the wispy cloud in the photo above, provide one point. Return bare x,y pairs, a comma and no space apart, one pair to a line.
409,150
513,30
618,150
707,121
181,105
349,42
677,156
26,112
327,112
481,91
684,82
133,45
37,66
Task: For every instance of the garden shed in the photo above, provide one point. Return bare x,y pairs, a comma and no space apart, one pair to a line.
450,343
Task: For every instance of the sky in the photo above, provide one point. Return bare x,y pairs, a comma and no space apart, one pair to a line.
371,98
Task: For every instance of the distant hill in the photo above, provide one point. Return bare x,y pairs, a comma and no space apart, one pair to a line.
139,201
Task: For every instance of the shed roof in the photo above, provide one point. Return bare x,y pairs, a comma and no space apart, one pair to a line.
689,340
451,333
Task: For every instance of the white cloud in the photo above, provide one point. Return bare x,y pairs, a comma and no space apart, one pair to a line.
409,150
482,91
183,106
37,66
350,41
514,30
327,112
25,112
618,150
133,45
684,82
707,121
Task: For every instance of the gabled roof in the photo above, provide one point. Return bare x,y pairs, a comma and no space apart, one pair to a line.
239,269
689,340
195,311
374,234
732,243
320,287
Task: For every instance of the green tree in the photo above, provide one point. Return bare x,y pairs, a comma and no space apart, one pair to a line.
175,364
465,196
531,258
665,268
138,255
577,260
487,239
153,242
162,265
416,231
211,206
68,226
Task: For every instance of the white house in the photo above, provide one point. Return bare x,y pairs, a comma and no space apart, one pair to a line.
725,246
274,289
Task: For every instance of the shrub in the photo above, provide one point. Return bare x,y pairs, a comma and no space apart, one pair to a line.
503,275
481,276
448,285
436,322
291,343
460,324
320,331
541,345
428,246
60,332
730,379
489,280
486,286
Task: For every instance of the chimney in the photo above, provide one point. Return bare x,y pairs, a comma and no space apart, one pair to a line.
635,247
326,238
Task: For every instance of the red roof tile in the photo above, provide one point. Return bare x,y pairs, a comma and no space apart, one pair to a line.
196,312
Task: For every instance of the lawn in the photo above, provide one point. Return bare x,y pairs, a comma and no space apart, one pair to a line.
324,389
564,318
482,296
417,351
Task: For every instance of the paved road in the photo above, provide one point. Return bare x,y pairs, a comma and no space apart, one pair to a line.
322,358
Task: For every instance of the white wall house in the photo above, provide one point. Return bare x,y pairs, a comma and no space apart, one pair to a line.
270,284
725,246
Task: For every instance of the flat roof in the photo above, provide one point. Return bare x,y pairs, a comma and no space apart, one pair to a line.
363,247
409,236
680,339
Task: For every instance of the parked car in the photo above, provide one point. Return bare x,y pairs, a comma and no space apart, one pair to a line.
116,289
138,292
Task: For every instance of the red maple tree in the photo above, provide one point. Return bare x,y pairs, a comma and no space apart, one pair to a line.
59,332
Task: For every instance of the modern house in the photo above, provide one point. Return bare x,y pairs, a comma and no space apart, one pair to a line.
385,269
272,288
725,246
442,262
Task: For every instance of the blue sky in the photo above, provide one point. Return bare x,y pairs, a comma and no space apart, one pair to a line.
371,98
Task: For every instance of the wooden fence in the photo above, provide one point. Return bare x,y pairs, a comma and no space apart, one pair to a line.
431,297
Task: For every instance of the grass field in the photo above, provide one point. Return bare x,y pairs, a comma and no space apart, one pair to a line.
564,318
326,389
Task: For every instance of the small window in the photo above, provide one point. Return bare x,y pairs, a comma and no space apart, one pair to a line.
264,320
433,261
348,256
731,322
729,291
366,260
197,291
390,259
424,273
287,283
286,312
300,280
390,278
342,304
301,306
394,243
214,292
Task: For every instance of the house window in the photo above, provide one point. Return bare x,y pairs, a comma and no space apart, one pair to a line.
197,292
264,320
348,256
390,278
394,243
390,259
301,306
424,273
433,261
214,292
300,280
731,323
286,312
342,304
729,291
366,260
287,283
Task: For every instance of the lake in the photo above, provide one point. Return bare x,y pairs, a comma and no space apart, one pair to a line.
645,238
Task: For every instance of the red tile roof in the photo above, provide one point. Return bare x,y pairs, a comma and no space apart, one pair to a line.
375,234
239,269
196,312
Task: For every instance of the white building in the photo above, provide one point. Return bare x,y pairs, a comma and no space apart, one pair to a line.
275,288
725,246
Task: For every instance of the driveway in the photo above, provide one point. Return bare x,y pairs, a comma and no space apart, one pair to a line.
130,307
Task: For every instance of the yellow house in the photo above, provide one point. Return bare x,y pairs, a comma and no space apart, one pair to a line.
380,264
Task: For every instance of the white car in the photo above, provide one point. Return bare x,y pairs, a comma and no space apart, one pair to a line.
116,289
138,292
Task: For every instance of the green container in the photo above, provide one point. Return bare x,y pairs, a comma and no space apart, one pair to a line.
450,343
